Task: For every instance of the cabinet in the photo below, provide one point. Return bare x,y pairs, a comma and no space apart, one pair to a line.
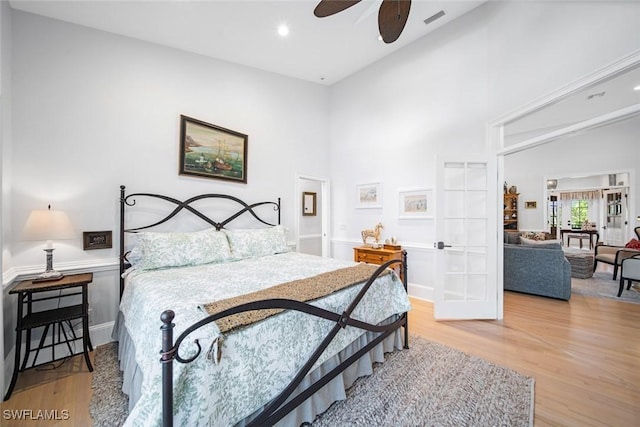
510,213
57,319
378,256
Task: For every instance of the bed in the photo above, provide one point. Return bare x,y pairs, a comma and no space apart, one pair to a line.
263,335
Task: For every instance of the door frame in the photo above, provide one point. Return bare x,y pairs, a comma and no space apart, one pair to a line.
324,210
495,135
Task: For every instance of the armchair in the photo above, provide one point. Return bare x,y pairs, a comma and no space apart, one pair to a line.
613,255
630,271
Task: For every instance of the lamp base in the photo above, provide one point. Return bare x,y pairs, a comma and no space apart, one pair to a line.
48,276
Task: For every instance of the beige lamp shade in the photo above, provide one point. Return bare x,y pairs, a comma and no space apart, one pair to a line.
48,225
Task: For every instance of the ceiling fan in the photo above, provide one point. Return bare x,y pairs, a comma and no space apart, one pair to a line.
392,15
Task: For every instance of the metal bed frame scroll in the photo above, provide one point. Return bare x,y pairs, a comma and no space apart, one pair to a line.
280,406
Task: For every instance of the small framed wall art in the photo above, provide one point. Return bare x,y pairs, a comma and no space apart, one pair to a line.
96,240
369,195
308,203
530,205
211,151
416,203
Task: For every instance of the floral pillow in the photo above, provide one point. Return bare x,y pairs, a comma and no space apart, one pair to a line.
160,250
250,243
534,242
534,235
633,244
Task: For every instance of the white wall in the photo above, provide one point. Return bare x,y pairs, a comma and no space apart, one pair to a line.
391,121
92,110
5,149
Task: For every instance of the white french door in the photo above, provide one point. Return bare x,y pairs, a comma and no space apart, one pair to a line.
466,226
615,214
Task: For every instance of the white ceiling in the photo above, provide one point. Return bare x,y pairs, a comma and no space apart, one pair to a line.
617,92
321,50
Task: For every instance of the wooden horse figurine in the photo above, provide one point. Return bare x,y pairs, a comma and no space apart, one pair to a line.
375,233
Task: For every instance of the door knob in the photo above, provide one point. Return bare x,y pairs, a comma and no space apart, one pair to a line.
441,245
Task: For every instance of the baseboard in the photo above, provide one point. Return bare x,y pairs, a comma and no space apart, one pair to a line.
420,291
101,334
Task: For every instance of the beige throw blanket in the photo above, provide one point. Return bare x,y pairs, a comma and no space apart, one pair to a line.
302,290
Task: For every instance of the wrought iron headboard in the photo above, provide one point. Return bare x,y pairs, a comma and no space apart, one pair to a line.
130,200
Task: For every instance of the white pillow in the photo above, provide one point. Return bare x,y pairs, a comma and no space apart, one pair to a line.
250,243
525,241
160,250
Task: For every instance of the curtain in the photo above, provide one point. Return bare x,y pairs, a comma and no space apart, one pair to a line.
581,195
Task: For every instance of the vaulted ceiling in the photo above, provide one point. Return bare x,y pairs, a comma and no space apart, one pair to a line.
321,50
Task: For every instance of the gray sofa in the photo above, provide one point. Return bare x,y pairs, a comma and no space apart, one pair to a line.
540,269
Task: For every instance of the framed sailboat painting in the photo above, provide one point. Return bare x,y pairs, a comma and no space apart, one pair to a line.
211,151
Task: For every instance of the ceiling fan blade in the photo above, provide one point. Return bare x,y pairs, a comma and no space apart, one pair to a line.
392,17
330,7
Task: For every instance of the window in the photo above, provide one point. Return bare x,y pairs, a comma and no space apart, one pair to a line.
579,213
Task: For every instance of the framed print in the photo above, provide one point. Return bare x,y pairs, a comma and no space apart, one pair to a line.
369,195
308,203
416,203
210,151
530,205
96,240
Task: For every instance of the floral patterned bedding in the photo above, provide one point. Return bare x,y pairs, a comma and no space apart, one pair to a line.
257,361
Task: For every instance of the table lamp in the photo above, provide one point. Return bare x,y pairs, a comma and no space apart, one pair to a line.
48,225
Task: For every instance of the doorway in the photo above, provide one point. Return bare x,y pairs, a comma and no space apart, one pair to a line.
312,215
548,120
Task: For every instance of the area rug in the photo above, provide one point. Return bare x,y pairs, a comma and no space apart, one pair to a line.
428,385
109,406
601,285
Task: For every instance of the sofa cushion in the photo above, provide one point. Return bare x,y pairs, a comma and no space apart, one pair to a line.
534,242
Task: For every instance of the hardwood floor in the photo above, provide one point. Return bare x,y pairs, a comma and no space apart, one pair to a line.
584,356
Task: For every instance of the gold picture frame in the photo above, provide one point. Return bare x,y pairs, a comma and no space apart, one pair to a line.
309,203
211,151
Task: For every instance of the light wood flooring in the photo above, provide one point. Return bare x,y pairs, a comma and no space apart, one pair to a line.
584,356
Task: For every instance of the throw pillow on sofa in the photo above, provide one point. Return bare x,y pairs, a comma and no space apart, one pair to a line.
533,242
633,244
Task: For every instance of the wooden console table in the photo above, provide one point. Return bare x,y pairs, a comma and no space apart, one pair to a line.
378,256
50,319
591,233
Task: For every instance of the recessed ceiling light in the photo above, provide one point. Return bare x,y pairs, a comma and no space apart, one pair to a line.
637,87
283,30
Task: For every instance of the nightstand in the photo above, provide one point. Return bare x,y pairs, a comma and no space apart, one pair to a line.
379,256
54,318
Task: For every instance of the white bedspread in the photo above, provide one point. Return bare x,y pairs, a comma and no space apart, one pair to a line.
257,361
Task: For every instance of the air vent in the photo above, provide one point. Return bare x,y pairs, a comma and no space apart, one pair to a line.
434,17
596,95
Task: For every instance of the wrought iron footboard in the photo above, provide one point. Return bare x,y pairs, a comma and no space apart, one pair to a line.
277,408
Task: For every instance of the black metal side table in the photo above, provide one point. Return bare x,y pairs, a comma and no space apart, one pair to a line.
50,318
